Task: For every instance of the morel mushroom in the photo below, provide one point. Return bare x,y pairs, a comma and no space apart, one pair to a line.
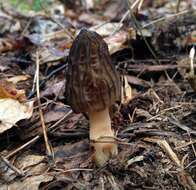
93,85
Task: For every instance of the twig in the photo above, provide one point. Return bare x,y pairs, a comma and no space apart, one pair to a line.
74,169
62,26
60,120
182,174
163,112
34,82
49,152
192,145
178,6
26,27
153,132
139,2
181,126
186,144
22,147
20,173
115,140
146,42
165,18
155,68
33,91
34,139
67,135
191,163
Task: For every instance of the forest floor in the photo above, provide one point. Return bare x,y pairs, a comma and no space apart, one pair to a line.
152,44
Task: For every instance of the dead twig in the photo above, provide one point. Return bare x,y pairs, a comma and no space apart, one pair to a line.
139,2
153,68
48,148
22,147
181,126
163,112
166,18
41,84
186,144
60,120
184,178
20,173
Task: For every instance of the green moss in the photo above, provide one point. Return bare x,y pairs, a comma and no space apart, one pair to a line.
27,5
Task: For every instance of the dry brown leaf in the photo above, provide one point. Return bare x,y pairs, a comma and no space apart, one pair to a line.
3,68
27,160
107,28
114,9
5,45
166,147
116,41
56,113
54,88
12,111
18,78
91,19
8,90
184,177
7,174
183,62
89,4
30,183
34,164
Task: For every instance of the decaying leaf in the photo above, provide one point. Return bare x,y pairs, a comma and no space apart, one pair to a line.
8,90
116,41
29,161
56,113
148,41
54,88
106,29
30,183
89,4
6,45
6,173
18,78
12,111
184,177
91,18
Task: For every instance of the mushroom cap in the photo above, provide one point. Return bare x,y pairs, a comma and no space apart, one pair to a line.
92,81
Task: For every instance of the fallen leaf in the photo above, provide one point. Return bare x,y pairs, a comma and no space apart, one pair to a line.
27,160
116,41
8,90
91,19
3,68
54,88
56,113
31,163
107,28
30,183
89,4
137,81
12,111
6,173
6,45
18,78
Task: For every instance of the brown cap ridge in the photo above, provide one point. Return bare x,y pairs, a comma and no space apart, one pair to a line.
92,81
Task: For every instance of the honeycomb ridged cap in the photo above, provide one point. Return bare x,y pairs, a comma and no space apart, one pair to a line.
92,81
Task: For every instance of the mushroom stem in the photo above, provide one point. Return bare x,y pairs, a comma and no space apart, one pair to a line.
100,130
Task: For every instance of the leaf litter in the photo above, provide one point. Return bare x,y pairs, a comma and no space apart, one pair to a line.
149,43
